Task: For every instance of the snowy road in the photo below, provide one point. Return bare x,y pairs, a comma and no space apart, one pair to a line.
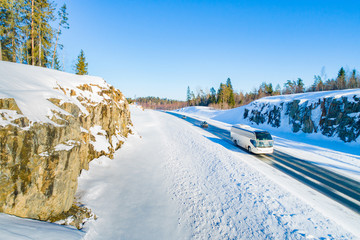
181,182
172,180
340,188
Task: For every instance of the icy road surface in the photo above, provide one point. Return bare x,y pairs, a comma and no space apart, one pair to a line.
172,180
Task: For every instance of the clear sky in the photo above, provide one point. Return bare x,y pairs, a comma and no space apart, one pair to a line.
158,48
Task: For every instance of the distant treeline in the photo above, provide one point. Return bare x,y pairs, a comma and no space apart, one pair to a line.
225,97
158,103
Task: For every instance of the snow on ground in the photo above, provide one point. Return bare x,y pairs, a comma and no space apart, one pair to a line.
32,86
176,181
15,228
330,153
172,180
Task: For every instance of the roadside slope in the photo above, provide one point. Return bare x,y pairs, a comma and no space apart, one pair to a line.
212,190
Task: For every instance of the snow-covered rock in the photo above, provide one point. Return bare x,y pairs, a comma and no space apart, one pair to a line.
47,136
334,113
330,113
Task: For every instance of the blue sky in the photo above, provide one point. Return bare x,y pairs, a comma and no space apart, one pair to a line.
158,48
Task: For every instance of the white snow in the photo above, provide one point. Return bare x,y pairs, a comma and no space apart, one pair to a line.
173,180
313,96
15,228
101,142
31,87
328,152
67,146
7,116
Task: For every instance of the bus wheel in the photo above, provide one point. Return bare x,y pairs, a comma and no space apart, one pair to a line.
249,149
235,142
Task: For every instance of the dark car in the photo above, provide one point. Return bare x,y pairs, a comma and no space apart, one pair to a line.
183,117
204,124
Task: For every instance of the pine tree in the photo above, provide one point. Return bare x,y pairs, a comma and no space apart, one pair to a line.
221,94
230,93
188,96
231,100
353,81
299,86
56,64
269,89
62,14
81,67
212,99
45,14
340,80
38,31
10,29
290,87
318,84
228,83
277,90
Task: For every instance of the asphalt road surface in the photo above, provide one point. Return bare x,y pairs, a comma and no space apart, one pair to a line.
342,189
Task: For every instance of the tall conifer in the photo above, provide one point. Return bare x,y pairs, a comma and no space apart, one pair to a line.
62,15
10,28
81,67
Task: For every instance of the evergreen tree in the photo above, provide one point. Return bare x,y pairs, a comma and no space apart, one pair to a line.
38,31
277,90
81,67
230,93
10,29
212,99
62,14
289,87
56,64
188,96
228,83
340,80
221,94
45,14
269,89
231,100
193,99
26,33
353,80
318,84
299,86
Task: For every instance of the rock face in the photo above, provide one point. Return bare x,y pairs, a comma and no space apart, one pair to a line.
41,161
337,116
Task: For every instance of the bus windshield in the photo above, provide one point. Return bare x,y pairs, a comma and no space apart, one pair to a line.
263,136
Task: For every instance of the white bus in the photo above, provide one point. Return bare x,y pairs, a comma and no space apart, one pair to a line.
254,140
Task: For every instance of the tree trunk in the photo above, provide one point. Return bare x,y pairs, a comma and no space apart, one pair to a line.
0,51
40,44
57,38
32,34
14,51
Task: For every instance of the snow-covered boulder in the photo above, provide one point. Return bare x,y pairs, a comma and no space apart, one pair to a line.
52,124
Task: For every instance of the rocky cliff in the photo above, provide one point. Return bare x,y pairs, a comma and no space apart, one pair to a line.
333,113
52,124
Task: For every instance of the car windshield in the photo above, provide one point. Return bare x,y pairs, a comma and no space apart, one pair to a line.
263,136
